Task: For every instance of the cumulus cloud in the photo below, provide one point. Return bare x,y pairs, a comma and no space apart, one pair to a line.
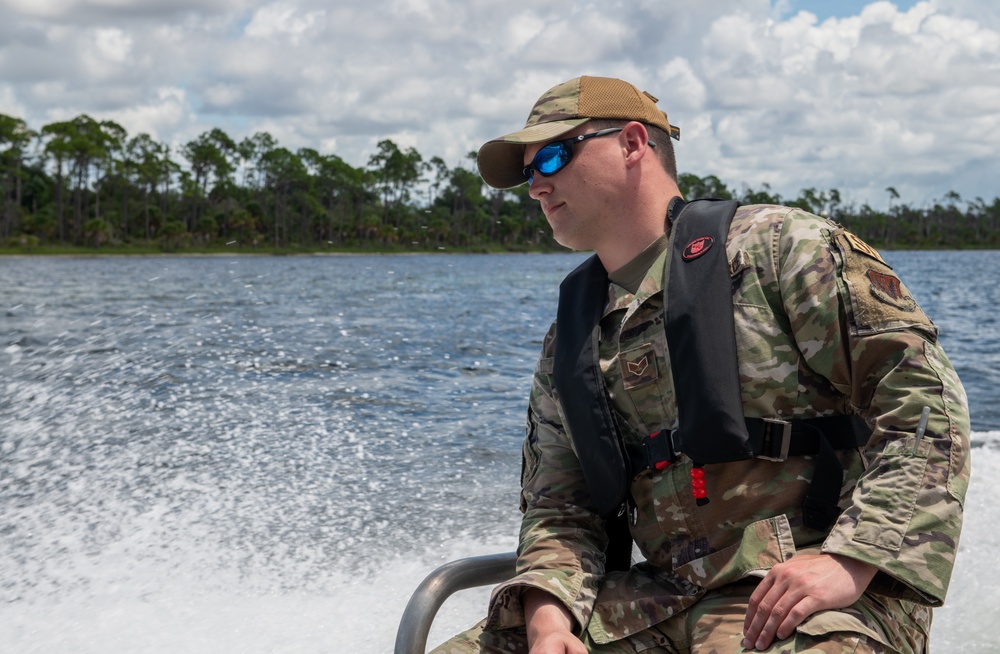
856,103
904,94
282,20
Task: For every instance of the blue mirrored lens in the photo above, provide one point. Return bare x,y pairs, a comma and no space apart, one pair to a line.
552,158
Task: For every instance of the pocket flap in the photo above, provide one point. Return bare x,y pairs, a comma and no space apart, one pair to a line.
764,544
828,622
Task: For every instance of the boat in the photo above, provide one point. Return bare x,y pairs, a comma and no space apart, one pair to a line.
438,586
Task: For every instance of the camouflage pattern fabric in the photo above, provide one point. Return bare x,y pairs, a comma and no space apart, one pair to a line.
715,626
823,327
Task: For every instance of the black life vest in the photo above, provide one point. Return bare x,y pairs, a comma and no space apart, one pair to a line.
701,339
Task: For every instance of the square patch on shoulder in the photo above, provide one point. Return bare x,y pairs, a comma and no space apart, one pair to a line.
878,298
638,366
859,246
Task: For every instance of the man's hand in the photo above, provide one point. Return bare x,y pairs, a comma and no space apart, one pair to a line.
549,625
799,587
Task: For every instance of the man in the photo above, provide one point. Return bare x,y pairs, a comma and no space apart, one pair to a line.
836,374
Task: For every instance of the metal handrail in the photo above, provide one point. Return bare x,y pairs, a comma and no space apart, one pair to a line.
415,625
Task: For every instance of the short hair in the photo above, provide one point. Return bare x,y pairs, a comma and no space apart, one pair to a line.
663,144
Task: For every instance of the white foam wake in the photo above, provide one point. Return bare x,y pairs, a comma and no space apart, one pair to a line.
127,600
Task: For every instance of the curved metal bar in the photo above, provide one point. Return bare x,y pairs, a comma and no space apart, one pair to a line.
411,637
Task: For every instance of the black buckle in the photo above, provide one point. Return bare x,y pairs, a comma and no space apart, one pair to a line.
659,451
777,437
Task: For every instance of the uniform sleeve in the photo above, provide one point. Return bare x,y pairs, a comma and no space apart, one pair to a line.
857,325
562,540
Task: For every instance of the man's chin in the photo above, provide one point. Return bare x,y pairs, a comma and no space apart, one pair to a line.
567,241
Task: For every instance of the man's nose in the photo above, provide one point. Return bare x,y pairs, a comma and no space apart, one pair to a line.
538,186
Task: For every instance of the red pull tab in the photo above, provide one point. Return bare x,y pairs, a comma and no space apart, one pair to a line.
698,486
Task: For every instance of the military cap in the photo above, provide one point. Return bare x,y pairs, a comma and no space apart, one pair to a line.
561,109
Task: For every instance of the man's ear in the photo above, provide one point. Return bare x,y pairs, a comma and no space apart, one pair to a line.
635,141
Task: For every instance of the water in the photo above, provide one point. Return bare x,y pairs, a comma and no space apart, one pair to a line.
263,454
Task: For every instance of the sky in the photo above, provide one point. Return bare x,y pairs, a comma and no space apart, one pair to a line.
839,94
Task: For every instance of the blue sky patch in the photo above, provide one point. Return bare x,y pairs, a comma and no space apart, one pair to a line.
838,8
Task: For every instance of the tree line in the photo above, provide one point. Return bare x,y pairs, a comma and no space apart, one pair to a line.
88,183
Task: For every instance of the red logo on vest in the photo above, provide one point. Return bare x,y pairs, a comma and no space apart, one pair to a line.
697,247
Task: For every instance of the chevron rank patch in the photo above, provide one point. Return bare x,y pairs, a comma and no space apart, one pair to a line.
638,366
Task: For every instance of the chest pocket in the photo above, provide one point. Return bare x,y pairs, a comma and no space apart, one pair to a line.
637,372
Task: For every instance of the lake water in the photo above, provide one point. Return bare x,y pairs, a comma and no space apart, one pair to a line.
267,454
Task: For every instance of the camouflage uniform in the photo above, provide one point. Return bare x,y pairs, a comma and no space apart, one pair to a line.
823,327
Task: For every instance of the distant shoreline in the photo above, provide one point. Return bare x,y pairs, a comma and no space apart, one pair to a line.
107,254
111,253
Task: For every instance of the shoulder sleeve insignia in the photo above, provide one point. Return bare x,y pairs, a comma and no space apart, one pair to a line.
887,288
877,300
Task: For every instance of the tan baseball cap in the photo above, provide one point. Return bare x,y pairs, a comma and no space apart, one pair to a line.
560,110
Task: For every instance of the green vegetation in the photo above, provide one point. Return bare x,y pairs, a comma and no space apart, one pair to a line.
84,186
945,224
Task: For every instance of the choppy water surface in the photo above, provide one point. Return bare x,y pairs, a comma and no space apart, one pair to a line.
264,454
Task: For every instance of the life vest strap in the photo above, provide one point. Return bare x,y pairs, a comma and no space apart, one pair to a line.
776,440
771,439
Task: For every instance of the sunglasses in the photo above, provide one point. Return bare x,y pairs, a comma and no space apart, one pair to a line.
553,157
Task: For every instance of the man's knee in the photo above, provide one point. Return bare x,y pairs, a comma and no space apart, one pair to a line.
478,641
